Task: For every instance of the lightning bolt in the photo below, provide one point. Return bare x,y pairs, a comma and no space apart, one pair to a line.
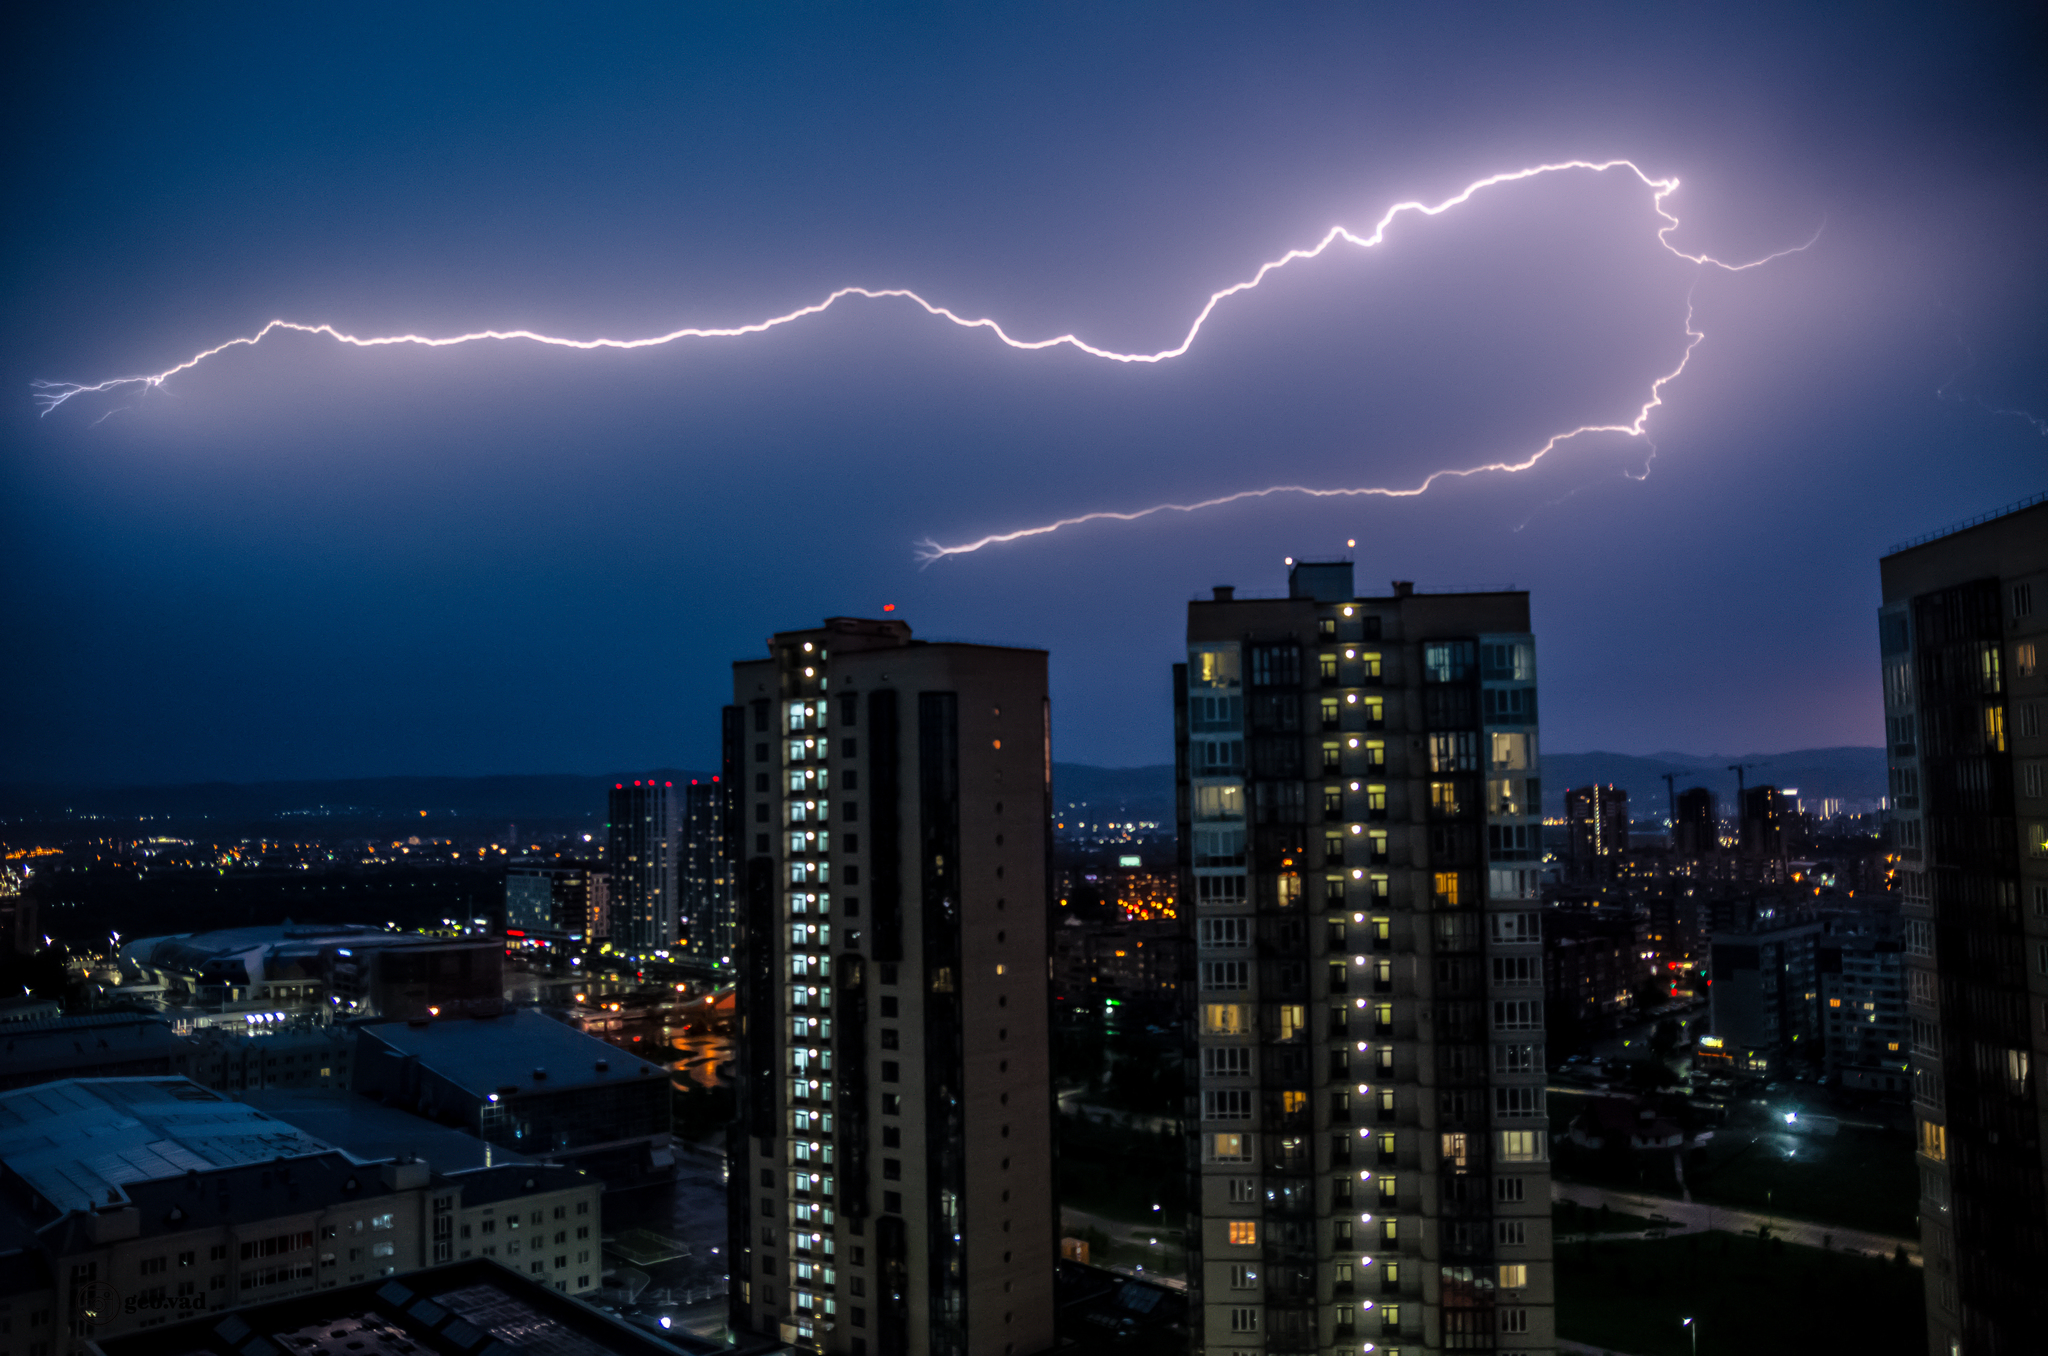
929,551
51,395
1941,392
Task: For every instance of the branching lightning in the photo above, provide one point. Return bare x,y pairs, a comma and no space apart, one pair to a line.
51,395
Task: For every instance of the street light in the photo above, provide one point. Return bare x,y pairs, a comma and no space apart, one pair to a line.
1695,1337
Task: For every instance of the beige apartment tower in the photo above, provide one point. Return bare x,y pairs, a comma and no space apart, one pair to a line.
1961,631
886,812
1360,835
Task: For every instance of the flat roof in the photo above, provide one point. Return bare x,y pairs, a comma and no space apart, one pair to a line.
482,1055
471,1308
80,1143
366,1129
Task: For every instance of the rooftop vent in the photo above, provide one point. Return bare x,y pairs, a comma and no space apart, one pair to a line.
1226,593
539,1075
604,1066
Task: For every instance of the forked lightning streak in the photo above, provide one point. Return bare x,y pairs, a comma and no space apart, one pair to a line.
51,395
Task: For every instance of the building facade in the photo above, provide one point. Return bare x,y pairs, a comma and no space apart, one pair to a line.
570,899
1361,852
642,858
892,1153
706,881
1765,1001
1961,629
1863,1001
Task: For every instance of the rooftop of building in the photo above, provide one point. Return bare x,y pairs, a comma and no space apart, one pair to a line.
523,1050
192,951
368,1130
87,1143
2020,506
53,1046
470,1308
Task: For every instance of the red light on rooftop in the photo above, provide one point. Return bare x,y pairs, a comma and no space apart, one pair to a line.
888,607
668,783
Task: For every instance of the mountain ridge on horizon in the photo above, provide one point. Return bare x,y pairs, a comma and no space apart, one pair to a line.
1849,773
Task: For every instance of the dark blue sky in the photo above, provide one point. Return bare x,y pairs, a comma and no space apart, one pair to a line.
308,560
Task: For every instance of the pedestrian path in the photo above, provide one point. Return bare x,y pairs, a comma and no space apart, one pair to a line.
1678,1217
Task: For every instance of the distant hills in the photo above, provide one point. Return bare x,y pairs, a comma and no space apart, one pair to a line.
565,800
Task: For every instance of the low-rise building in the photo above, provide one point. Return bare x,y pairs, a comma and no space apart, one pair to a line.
455,1310
530,1083
320,972
148,1199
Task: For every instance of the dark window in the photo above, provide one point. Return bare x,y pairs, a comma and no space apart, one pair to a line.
852,876
1276,666
850,747
892,1169
890,1072
849,811
890,1038
849,709
888,1004
892,1137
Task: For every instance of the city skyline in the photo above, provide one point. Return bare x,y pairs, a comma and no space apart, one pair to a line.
543,544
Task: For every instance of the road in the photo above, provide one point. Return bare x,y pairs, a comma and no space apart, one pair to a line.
1694,1217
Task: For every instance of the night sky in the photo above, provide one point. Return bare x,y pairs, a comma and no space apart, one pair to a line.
307,560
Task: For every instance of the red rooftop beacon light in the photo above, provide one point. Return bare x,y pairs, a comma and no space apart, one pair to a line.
888,607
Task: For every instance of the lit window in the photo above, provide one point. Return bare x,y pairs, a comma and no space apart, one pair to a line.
1514,1277
1244,1232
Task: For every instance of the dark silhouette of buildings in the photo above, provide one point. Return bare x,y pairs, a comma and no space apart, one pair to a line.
1598,823
706,879
1698,830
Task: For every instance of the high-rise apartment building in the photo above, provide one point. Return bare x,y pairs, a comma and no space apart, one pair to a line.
1361,846
641,860
1597,817
706,882
1697,831
1964,620
891,1158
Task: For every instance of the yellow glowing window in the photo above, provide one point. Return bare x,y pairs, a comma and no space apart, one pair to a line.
1289,889
1933,1140
1293,1103
1244,1231
1293,1020
1832,1002
1514,1277
1447,888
